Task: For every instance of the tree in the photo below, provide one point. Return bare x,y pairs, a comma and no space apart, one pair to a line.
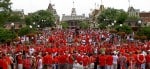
15,17
42,18
102,25
6,35
110,14
144,31
84,25
121,16
25,31
124,28
64,25
5,10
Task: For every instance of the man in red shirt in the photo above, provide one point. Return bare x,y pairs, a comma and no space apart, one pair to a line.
102,60
140,60
47,61
27,63
85,61
109,61
20,60
148,60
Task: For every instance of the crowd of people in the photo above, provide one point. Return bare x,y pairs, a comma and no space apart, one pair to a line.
76,49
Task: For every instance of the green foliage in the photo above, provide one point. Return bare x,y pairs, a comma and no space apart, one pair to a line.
6,35
64,25
5,11
42,18
25,31
111,14
14,17
84,25
124,28
144,31
28,20
102,25
121,16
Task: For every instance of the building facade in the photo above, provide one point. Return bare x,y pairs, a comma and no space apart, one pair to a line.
145,17
73,20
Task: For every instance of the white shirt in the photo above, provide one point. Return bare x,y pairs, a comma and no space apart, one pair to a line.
40,65
77,66
115,59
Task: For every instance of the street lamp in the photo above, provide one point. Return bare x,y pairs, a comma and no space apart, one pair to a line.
38,26
115,21
112,24
33,23
30,26
12,27
12,24
120,25
139,22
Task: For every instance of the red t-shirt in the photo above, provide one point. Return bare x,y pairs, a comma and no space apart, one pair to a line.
47,59
109,60
27,63
148,58
85,60
102,60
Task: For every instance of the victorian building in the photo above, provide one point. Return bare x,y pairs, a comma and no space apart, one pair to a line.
73,20
133,17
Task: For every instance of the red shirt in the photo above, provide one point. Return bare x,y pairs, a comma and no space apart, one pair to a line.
70,59
102,60
140,59
148,58
109,60
20,60
85,60
27,63
62,59
47,59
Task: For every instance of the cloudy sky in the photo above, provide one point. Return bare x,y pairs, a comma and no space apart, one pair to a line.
82,6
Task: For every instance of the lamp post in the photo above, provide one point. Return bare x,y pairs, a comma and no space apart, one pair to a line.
30,26
12,27
120,25
139,23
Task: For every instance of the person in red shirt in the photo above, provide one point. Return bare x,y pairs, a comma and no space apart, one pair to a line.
148,60
131,60
109,61
140,60
85,61
47,61
70,61
27,63
19,60
102,61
